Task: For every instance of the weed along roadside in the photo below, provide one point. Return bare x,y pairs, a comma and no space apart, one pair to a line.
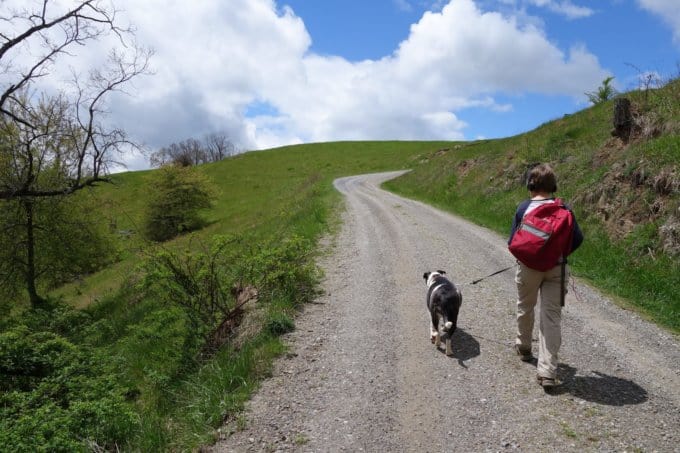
142,338
137,360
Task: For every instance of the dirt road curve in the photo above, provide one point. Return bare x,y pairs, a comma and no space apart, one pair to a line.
362,374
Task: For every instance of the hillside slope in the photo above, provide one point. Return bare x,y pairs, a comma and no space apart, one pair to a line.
626,195
362,374
278,204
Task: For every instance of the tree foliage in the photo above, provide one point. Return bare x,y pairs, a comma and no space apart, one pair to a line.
55,142
71,238
179,196
604,92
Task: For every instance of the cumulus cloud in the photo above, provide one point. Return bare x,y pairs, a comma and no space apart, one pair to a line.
564,7
246,68
451,60
403,5
476,52
668,10
211,61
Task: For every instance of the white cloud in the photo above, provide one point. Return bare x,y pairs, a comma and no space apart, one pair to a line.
570,10
564,7
451,60
474,52
668,10
213,60
403,5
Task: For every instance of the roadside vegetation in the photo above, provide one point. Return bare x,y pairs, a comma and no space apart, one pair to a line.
155,350
625,193
154,346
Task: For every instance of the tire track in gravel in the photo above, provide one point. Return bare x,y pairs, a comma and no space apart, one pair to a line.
362,375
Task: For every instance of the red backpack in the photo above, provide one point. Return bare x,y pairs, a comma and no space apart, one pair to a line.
544,236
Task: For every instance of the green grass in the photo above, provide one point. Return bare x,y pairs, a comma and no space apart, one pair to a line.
265,195
568,431
482,181
271,196
219,388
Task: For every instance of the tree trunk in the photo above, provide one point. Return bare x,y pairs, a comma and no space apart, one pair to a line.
33,295
623,119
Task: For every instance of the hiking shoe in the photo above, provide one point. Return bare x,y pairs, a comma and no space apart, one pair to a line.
524,354
546,382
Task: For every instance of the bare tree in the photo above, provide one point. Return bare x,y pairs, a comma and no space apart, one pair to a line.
166,155
56,143
185,154
90,147
218,146
194,150
191,151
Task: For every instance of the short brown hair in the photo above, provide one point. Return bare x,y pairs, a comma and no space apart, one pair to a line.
541,178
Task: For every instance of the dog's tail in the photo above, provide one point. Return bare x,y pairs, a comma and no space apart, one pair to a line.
447,327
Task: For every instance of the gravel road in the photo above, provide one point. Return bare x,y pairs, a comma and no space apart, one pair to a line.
362,375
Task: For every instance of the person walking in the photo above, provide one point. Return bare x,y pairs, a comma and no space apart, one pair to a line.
550,283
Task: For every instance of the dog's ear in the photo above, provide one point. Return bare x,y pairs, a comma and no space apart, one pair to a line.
425,275
442,272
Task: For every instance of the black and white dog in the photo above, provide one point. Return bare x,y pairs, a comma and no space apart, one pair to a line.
443,301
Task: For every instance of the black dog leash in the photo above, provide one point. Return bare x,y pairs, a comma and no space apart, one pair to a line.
474,282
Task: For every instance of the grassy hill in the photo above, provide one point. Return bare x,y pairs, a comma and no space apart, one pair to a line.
142,350
626,195
143,379
263,194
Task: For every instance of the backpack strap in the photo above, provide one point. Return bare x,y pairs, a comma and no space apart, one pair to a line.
563,265
563,282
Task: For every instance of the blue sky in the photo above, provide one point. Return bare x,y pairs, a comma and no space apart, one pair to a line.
626,38
617,31
269,73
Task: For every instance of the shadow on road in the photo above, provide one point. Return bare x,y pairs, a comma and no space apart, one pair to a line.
599,387
465,347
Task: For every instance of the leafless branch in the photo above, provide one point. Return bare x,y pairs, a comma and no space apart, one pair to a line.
87,21
63,132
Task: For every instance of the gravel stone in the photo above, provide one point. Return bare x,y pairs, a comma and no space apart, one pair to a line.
362,375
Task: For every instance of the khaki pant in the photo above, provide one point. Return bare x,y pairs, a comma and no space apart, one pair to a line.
529,283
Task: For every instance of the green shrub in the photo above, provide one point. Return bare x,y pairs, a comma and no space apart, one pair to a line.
201,282
282,269
157,349
179,195
603,93
26,358
58,396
